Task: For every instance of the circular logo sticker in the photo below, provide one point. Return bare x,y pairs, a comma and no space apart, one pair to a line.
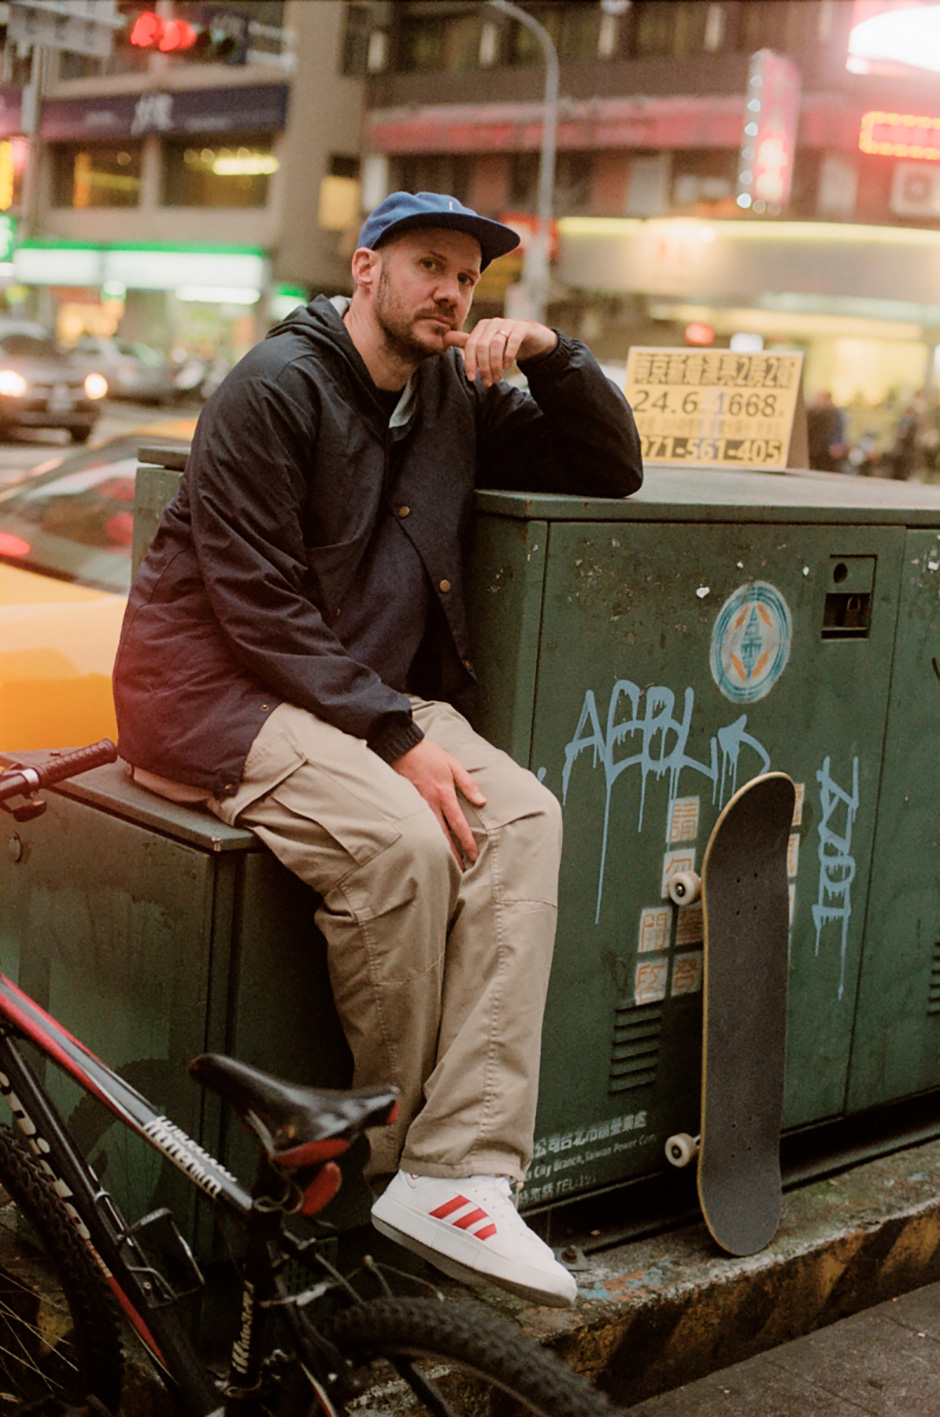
750,642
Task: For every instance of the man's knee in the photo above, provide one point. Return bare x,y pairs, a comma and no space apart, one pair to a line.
417,865
529,843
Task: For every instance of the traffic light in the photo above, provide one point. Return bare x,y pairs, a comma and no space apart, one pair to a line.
224,38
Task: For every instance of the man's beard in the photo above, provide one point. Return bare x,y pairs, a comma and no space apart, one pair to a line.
401,338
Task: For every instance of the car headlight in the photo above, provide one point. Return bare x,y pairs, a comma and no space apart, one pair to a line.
12,384
96,386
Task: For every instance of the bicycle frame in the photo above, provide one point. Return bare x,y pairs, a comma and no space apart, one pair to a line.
97,1217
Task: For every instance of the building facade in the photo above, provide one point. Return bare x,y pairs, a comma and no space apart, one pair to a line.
192,185
723,168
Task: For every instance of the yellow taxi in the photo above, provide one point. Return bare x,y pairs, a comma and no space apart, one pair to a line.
66,533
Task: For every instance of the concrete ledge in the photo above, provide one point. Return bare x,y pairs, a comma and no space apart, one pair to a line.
657,1313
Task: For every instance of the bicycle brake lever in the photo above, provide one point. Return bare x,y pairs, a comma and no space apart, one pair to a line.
26,811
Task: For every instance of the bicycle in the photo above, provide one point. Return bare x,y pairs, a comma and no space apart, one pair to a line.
335,1344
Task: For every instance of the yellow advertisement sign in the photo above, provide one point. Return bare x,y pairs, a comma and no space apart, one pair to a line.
714,407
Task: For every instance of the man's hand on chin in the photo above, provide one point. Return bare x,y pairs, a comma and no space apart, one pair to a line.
493,346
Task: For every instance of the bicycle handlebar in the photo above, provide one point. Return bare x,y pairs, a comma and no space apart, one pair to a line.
20,780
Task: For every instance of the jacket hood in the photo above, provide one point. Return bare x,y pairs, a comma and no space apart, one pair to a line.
321,318
321,323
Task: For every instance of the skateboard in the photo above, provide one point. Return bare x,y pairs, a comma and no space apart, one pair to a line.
745,906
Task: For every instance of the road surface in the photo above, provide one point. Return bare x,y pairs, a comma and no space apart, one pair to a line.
23,451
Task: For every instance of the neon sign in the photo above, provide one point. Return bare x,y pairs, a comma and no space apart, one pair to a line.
900,135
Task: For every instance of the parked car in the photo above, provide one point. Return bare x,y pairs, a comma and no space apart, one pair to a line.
133,370
199,377
44,386
65,569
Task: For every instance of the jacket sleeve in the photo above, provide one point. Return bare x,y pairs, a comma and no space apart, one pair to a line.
248,478
573,432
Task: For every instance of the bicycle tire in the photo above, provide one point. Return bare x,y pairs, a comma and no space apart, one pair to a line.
59,1335
478,1362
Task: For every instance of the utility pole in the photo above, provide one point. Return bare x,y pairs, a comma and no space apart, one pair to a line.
532,296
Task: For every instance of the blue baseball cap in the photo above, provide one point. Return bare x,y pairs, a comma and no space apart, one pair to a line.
404,210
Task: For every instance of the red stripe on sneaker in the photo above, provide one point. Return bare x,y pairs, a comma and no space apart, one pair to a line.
448,1208
486,1232
473,1218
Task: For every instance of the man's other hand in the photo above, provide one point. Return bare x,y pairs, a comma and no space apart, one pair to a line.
439,778
493,346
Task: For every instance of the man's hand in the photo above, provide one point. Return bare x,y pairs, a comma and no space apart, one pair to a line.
439,777
494,346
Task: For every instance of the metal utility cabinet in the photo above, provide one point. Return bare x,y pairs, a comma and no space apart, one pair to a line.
644,658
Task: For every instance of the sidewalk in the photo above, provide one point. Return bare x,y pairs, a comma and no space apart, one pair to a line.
885,1361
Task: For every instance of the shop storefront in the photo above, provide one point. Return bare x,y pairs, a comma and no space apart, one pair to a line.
162,205
185,297
860,301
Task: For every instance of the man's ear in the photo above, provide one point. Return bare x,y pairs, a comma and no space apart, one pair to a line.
365,264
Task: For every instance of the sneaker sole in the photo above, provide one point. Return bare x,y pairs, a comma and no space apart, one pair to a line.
467,1274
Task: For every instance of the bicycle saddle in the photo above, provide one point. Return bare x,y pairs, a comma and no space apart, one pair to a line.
297,1125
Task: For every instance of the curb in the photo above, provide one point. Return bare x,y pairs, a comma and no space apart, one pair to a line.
657,1313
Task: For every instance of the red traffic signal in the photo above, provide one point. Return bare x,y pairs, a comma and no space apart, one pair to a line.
151,31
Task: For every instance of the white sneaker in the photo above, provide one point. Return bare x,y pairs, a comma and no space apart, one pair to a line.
469,1228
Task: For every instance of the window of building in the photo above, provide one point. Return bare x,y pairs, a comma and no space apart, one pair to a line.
96,175
233,173
447,42
355,51
524,181
578,35
668,28
574,178
704,181
436,172
768,24
572,28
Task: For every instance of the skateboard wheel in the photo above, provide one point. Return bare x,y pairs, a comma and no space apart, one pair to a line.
681,1149
684,887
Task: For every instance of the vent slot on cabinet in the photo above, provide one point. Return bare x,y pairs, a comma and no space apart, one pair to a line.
933,995
635,1051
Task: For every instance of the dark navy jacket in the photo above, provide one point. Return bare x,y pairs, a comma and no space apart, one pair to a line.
303,512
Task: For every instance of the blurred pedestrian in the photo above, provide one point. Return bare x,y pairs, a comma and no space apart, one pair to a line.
928,434
903,452
825,431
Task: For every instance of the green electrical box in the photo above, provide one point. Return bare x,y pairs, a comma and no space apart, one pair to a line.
154,932
645,658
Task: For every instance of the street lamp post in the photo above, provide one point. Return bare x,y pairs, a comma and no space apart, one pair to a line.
533,297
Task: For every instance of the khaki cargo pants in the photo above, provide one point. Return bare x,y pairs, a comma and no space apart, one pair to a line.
439,975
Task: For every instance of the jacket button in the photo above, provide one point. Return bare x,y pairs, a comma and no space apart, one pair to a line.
445,586
403,511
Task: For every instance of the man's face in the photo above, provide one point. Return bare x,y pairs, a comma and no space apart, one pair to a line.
425,288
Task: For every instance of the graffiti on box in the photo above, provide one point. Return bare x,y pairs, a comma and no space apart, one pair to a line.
838,810
656,738
646,732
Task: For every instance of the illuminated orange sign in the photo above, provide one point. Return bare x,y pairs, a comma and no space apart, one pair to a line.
900,135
